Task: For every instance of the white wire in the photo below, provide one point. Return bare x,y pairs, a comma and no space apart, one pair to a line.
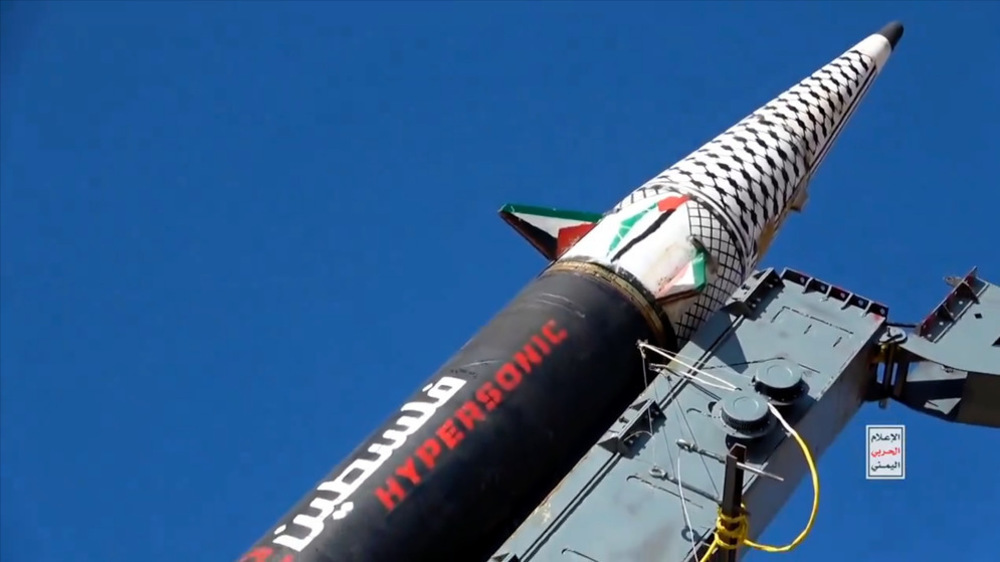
676,358
731,387
656,396
694,378
781,419
728,387
684,509
680,480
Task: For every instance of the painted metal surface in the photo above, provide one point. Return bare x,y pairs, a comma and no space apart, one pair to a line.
949,367
467,457
649,490
623,501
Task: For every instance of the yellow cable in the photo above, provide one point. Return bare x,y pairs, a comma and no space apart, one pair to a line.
730,539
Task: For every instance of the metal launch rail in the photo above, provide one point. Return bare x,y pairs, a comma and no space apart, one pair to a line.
667,480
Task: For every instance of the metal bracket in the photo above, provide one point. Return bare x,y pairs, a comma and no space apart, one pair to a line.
685,446
639,418
893,365
732,494
947,367
731,504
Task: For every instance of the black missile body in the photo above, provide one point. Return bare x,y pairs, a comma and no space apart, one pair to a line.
471,454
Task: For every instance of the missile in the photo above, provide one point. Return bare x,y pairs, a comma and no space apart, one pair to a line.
470,454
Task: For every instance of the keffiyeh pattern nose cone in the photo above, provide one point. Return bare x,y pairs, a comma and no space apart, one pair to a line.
738,188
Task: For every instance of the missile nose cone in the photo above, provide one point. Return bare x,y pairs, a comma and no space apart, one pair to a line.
893,32
754,172
879,45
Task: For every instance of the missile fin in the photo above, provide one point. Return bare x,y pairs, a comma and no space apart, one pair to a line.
550,231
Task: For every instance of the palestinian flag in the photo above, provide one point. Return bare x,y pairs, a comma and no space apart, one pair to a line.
688,281
665,206
551,231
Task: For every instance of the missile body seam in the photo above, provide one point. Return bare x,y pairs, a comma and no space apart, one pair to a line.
466,458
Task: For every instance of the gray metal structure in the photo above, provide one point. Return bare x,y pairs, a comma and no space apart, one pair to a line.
815,351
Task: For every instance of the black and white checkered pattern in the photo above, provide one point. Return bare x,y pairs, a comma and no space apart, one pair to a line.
748,175
726,261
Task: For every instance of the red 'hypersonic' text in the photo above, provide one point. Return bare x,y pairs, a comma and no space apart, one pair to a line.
263,554
473,412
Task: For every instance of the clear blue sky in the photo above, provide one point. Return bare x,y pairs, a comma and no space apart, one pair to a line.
236,236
